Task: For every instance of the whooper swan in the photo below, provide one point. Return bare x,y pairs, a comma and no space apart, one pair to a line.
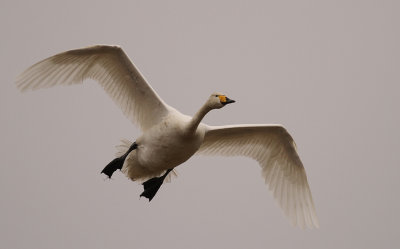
169,137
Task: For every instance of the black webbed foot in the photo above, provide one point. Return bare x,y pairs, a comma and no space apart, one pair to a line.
113,166
118,162
152,185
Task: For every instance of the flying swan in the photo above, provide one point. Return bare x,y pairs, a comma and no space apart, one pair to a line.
169,137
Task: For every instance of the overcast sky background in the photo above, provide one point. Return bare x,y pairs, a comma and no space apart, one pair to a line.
327,70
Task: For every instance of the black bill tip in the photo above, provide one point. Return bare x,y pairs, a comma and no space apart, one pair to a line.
228,101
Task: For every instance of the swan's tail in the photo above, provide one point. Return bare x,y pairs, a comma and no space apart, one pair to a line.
123,147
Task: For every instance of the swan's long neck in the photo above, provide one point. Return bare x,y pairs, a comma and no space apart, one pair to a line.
194,123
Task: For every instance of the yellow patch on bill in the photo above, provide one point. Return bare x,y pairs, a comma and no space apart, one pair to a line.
222,98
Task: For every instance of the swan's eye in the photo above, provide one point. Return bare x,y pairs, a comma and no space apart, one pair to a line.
216,96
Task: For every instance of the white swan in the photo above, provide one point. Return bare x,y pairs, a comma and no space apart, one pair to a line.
169,137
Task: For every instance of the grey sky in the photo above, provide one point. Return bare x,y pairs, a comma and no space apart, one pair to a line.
327,70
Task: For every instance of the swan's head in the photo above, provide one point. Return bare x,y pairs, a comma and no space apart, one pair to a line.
217,101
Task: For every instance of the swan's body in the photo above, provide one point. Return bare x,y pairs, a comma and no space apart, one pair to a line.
169,137
170,141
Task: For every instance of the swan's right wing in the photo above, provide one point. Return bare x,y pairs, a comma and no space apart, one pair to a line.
108,65
274,149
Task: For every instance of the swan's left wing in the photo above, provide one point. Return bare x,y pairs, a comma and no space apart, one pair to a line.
274,149
112,69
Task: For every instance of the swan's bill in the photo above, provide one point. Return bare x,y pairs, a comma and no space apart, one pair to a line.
225,100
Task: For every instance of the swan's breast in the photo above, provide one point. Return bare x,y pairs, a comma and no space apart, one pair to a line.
166,145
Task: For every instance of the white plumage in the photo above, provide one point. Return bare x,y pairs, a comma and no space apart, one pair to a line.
169,137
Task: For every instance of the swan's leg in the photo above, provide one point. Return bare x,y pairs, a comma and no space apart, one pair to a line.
118,162
153,185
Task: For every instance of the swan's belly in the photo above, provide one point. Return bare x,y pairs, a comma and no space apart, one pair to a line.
165,147
166,155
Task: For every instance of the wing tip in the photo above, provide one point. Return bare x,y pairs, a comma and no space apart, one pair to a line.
303,226
21,84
